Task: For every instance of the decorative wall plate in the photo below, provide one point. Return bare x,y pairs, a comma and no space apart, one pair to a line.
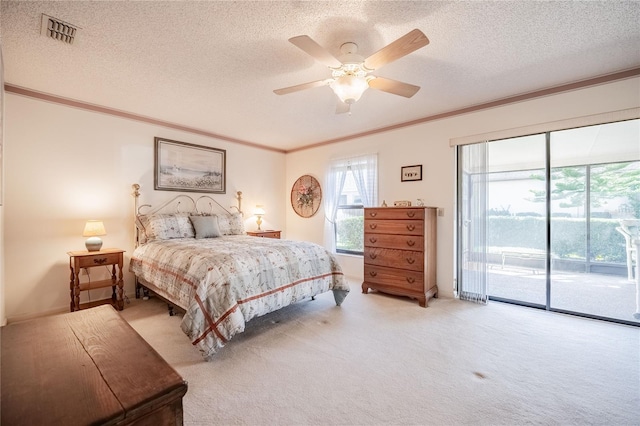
306,196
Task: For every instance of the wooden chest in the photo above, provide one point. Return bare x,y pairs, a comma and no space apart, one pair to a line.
400,251
85,367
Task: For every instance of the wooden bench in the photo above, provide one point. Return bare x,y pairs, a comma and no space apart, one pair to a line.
85,367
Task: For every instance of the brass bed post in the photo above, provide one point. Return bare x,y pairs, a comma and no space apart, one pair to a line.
136,194
239,198
136,231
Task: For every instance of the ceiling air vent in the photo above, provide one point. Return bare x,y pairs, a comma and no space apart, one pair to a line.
57,29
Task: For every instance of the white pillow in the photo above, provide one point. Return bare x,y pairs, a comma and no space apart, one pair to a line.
232,224
167,226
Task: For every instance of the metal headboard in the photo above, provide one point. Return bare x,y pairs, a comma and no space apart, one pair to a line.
176,205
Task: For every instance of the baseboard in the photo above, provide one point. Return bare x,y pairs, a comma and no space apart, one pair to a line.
49,312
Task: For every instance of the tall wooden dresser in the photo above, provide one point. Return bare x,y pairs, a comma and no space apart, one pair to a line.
400,251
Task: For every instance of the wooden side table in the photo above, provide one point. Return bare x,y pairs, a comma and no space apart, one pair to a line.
79,260
265,234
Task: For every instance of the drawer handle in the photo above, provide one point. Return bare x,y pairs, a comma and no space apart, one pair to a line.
411,227
373,240
373,225
373,255
411,260
373,214
373,273
411,280
100,261
411,214
411,243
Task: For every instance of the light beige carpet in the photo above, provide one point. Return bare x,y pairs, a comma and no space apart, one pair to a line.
380,359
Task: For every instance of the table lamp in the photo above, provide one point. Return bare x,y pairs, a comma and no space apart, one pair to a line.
93,229
259,212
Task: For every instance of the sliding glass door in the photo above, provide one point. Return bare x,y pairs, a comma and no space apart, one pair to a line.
560,212
595,187
516,220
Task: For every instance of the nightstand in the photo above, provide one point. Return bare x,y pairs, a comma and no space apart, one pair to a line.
79,260
265,234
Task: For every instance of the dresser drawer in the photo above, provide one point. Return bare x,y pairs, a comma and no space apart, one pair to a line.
401,278
398,227
403,259
387,213
402,242
97,260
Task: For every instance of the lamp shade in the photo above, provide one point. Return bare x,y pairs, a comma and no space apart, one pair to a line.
93,229
349,88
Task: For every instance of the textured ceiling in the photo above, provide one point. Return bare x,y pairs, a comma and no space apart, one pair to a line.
213,66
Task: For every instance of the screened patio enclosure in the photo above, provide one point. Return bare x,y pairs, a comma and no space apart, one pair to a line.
549,220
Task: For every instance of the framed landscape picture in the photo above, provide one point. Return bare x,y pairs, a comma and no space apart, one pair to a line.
182,166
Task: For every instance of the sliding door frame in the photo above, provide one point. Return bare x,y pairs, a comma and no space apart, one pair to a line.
460,232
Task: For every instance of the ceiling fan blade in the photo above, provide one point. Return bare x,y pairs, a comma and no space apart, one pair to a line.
394,87
406,44
343,107
314,49
303,86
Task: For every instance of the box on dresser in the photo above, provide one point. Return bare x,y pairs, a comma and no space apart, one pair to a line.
400,251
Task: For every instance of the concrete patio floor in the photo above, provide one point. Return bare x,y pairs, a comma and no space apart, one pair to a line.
610,296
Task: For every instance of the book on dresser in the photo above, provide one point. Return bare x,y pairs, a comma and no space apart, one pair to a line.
400,251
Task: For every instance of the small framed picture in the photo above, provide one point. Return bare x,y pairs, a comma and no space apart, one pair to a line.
410,173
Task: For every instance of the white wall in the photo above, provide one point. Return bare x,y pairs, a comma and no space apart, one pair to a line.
65,165
428,144
3,317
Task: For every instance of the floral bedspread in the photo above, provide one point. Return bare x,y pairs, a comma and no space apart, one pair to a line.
224,282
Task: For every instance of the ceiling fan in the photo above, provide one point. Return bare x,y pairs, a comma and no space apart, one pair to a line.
350,73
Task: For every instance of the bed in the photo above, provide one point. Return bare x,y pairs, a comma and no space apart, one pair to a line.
195,254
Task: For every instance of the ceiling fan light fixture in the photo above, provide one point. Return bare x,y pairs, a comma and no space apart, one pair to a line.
349,88
350,73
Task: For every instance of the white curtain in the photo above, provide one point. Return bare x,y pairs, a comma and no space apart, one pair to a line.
472,176
336,175
364,170
365,174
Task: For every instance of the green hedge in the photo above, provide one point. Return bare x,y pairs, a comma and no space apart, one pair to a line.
351,232
568,236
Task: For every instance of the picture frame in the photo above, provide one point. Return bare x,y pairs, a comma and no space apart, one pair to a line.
306,196
411,173
182,166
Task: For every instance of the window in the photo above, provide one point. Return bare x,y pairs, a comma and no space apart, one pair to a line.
349,221
352,185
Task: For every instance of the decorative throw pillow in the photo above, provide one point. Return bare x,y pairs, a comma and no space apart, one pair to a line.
232,224
205,226
167,226
237,224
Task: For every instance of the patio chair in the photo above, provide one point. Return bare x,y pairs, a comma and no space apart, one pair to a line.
630,229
